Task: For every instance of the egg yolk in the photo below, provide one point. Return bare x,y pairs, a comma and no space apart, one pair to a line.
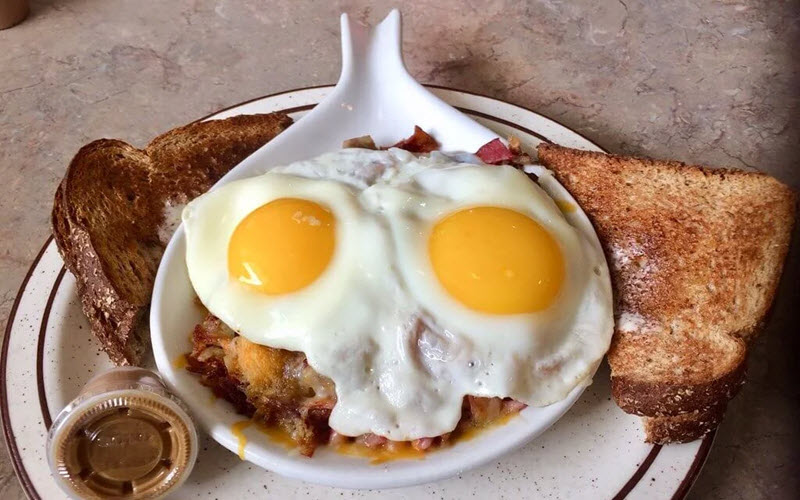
283,246
496,260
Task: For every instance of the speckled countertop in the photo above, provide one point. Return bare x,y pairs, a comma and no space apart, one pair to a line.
714,82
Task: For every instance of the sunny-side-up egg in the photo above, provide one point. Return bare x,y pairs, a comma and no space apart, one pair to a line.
409,281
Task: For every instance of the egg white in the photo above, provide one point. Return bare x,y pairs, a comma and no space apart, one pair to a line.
278,320
401,351
536,358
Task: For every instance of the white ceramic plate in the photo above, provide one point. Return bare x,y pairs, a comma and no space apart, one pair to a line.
594,451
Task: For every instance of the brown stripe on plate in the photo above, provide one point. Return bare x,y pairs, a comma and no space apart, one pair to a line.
266,97
504,122
11,443
46,417
697,465
640,472
477,94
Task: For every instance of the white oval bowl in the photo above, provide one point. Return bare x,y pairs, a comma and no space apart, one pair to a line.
376,96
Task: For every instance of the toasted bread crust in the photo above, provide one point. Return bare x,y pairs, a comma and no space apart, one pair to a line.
110,205
114,318
696,256
670,398
60,223
684,427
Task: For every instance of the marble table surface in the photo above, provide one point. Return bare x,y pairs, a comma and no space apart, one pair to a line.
713,82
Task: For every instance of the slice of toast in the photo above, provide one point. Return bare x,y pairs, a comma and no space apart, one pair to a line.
695,255
116,207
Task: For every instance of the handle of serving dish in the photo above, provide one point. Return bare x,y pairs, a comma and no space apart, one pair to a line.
375,85
373,56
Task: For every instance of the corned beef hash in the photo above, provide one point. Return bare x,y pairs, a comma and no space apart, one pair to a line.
393,297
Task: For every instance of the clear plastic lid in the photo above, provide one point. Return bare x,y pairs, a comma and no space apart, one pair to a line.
124,436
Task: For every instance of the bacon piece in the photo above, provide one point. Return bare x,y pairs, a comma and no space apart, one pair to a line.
335,438
419,142
315,425
521,158
215,376
373,440
494,152
512,406
211,332
484,410
319,405
422,444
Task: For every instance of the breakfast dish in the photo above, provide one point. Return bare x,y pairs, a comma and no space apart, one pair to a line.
363,195
389,296
400,297
369,304
117,207
604,446
695,255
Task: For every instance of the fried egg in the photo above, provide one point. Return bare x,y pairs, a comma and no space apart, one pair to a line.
409,281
